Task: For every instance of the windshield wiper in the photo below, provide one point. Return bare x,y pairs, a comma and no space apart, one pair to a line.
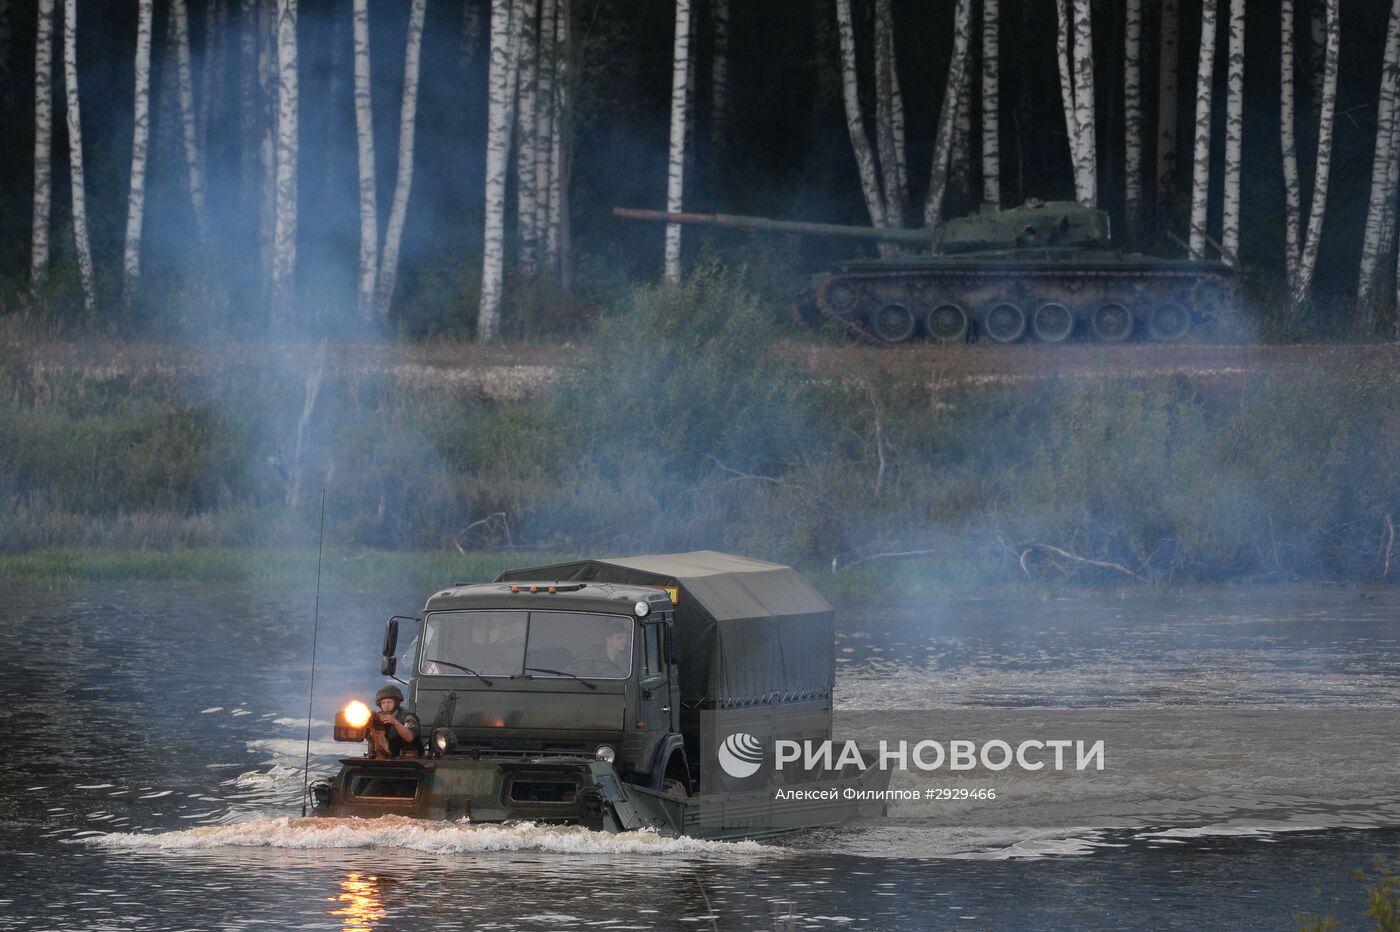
562,673
458,666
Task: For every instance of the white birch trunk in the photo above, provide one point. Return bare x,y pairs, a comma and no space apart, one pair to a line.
1308,261
1379,211
43,145
953,94
1317,54
1062,58
1168,54
284,261
675,174
211,68
408,124
901,164
1087,171
1292,194
75,153
991,104
525,140
1132,119
364,136
544,130
1200,169
140,144
1234,135
885,81
719,73
499,119
860,145
180,26
960,159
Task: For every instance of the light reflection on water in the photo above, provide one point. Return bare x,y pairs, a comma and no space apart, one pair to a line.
153,710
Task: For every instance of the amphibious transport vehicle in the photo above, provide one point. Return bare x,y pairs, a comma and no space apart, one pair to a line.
1045,271
641,692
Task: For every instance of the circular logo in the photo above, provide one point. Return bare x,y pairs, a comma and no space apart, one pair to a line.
741,755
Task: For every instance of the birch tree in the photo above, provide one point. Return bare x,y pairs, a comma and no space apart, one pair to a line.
1168,54
675,175
953,95
892,165
285,229
525,138
719,73
500,116
1380,213
180,32
1084,103
850,93
43,145
408,123
1234,134
991,104
1200,168
1301,260
959,193
75,153
364,137
1077,95
140,142
1132,118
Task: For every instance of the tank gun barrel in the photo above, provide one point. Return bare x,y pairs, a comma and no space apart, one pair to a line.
764,224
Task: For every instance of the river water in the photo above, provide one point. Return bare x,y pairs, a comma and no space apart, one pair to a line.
155,734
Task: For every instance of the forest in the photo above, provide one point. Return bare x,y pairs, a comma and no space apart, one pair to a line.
254,168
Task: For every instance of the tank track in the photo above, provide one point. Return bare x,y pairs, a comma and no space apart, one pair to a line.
919,285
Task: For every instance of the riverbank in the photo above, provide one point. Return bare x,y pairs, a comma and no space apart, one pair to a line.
678,426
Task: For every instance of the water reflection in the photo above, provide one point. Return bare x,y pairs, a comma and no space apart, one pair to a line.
361,905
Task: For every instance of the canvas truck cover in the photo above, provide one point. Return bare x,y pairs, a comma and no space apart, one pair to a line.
747,632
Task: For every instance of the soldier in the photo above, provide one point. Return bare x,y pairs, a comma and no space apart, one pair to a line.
393,732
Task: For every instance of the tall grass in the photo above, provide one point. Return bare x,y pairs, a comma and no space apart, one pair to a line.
683,430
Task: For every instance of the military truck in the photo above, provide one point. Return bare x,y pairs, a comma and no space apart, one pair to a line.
636,693
1046,271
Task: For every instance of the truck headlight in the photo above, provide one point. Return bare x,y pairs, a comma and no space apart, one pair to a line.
350,721
605,754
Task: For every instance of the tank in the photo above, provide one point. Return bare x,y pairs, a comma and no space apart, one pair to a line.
1044,271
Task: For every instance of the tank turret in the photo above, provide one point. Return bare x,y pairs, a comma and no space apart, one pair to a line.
1046,271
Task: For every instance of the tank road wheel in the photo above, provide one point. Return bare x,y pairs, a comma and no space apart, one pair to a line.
1052,323
838,296
1111,323
1005,323
947,323
894,323
1169,323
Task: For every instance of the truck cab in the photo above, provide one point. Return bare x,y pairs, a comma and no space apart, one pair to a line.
549,668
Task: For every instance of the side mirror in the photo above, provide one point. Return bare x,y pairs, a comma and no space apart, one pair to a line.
391,639
389,665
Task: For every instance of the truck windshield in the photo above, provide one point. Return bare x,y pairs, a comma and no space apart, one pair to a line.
539,644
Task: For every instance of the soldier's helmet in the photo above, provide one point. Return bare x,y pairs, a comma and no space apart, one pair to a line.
389,692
